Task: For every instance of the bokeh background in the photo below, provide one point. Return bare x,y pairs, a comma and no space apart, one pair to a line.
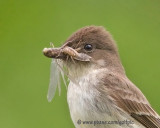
27,26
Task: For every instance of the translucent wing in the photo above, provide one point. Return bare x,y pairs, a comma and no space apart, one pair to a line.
62,72
54,80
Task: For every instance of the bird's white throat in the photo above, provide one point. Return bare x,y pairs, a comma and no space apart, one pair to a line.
86,102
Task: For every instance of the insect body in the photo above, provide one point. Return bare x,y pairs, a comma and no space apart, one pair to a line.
73,53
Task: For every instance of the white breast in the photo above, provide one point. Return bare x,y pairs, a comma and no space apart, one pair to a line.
86,103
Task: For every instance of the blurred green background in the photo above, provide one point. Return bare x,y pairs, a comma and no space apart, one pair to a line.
27,26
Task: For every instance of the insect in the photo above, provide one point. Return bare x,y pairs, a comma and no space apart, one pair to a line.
56,72
73,53
57,67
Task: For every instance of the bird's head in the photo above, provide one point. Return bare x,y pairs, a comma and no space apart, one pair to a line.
89,48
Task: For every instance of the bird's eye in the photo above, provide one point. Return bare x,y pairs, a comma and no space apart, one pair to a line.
88,47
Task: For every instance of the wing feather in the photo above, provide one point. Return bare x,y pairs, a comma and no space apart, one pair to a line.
131,100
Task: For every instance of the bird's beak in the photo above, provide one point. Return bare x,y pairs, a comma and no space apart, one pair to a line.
62,52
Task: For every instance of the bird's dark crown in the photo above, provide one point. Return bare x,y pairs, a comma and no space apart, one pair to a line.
95,35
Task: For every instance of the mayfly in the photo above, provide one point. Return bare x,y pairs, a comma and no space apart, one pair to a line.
55,72
57,67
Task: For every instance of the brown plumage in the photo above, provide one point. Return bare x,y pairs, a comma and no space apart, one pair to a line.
130,99
127,96
112,85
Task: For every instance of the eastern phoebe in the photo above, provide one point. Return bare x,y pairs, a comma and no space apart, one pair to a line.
99,93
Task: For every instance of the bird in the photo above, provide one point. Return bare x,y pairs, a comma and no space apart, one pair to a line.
100,95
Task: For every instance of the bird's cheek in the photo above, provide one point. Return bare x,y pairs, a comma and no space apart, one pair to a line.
101,62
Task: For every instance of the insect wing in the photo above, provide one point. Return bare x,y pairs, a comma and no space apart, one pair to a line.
54,80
